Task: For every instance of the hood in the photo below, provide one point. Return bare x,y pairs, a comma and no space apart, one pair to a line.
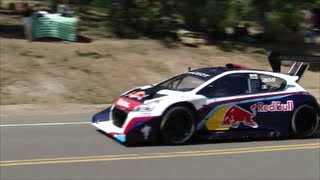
142,94
136,97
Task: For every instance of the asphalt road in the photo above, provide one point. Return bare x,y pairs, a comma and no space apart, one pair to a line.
68,147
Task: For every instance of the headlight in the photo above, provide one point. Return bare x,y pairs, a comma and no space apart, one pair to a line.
146,107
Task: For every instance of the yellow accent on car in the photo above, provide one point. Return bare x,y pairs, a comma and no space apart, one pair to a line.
214,122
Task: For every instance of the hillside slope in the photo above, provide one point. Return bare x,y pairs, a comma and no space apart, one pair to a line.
97,72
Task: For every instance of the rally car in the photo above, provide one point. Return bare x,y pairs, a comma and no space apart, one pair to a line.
216,102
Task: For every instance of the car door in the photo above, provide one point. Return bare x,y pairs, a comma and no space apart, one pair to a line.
274,106
225,108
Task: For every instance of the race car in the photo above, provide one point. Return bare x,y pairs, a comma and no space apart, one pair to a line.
216,102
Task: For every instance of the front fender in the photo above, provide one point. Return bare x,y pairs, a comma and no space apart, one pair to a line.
197,101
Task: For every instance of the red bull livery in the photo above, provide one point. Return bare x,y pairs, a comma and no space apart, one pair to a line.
216,102
236,115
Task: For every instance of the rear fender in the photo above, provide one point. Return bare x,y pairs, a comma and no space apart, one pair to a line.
312,101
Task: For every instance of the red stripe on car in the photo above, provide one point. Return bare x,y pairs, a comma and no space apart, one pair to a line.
126,104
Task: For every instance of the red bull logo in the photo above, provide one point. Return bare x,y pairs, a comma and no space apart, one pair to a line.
137,95
235,115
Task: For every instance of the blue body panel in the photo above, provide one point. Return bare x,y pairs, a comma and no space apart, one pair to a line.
268,122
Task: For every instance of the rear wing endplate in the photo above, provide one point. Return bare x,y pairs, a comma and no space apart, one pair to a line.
300,65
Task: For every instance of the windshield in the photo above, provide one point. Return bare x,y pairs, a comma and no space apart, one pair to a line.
183,82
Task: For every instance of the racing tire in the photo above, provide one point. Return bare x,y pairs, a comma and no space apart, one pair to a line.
305,122
177,125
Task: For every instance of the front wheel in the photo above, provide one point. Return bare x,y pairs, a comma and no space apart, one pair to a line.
305,122
177,125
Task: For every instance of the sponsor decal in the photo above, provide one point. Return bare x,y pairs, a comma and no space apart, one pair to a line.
137,95
275,106
235,115
146,131
253,76
264,87
123,103
198,74
126,104
267,80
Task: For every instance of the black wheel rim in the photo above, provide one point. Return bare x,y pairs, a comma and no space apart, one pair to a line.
305,121
178,127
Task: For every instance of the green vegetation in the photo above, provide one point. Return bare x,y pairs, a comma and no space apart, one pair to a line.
160,18
157,18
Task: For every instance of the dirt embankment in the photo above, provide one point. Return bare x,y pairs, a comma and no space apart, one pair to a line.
97,72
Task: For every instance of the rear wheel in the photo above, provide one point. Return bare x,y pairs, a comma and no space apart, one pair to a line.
305,122
177,125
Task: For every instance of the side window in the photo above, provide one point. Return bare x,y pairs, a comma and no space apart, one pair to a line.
230,85
261,83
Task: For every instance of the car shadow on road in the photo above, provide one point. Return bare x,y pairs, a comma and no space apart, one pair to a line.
261,139
216,141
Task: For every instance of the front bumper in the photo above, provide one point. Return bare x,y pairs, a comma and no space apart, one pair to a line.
137,127
111,130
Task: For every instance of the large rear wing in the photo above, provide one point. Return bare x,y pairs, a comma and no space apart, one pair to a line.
300,65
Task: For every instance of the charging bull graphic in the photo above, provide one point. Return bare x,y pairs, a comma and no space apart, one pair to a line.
236,115
138,95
